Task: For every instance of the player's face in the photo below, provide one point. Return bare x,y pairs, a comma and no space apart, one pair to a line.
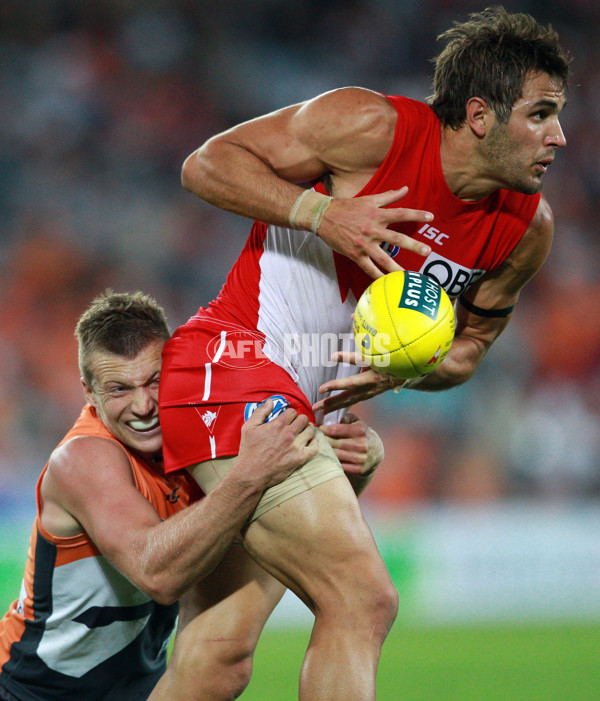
520,151
125,395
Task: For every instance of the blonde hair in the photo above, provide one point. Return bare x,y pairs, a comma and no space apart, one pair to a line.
121,323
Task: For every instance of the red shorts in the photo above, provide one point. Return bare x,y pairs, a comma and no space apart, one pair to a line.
213,376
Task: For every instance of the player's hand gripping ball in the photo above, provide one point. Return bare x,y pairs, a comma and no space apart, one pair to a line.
404,324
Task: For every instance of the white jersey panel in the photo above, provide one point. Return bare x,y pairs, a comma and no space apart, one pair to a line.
71,646
301,312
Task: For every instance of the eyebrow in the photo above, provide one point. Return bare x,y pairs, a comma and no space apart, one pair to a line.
128,384
552,104
116,383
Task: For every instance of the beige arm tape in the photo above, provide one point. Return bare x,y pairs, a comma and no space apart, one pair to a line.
308,211
409,384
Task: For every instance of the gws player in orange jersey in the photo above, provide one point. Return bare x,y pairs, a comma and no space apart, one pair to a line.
113,546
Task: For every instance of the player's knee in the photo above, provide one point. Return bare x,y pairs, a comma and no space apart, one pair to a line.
234,667
220,672
378,606
223,683
373,605
233,679
387,607
231,671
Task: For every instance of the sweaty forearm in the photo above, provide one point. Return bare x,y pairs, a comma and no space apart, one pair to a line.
187,546
457,367
230,177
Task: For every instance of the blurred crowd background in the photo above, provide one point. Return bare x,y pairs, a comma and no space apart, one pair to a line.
101,101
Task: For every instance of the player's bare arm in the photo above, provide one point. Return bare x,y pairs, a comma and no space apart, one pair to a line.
487,306
254,169
495,293
163,558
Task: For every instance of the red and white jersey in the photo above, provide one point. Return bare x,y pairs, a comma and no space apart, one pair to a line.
285,287
297,295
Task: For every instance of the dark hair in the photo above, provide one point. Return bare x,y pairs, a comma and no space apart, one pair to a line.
490,56
118,323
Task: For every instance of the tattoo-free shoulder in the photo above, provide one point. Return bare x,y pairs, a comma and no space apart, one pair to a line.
533,248
83,454
357,126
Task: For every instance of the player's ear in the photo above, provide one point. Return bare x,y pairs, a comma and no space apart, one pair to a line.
88,393
479,116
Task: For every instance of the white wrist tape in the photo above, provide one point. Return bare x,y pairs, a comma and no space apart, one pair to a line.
409,384
308,211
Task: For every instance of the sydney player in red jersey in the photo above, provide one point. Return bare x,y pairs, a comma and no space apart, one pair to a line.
345,187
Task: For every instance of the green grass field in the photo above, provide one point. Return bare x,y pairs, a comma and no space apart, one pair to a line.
479,663
486,663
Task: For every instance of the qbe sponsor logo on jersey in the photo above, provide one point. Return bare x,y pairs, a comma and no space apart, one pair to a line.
454,278
280,404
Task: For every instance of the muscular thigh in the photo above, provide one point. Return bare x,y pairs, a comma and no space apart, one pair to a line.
318,544
322,468
309,531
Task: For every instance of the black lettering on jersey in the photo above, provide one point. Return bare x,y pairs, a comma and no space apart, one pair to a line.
173,497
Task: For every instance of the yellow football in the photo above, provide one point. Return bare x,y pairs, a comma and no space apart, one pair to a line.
404,324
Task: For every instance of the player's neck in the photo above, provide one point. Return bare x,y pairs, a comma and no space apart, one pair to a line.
461,166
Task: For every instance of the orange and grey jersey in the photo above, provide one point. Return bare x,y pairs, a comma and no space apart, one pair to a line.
80,629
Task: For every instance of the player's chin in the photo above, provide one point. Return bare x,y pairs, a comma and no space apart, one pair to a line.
146,442
149,449
531,186
534,184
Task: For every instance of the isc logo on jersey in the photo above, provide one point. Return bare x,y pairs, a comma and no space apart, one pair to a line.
427,231
280,404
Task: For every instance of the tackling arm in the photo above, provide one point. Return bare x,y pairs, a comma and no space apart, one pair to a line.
89,487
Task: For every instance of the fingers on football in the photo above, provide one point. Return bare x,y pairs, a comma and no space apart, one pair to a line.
383,261
368,267
349,357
